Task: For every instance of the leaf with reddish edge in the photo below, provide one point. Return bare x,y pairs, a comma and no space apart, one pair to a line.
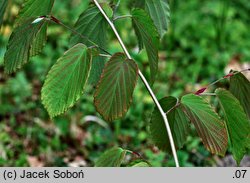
208,124
238,126
114,91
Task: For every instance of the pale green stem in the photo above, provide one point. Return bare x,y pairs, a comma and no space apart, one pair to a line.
207,94
122,17
145,83
104,55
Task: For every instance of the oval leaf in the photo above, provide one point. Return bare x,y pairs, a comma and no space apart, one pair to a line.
238,126
147,35
31,10
208,124
160,13
178,122
92,25
114,92
240,88
111,158
25,41
66,80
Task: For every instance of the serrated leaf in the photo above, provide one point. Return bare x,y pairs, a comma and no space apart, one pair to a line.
34,9
23,43
114,92
160,13
208,124
92,24
111,158
240,88
178,122
66,80
238,127
39,41
3,5
27,39
147,36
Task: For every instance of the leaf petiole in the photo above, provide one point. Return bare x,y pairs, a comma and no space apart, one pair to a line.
104,55
207,94
121,17
202,90
57,21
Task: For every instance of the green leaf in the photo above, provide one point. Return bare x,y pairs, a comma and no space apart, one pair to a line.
147,35
111,158
208,124
66,80
39,41
25,41
34,9
178,122
160,13
92,25
107,9
114,92
3,5
240,88
238,127
141,164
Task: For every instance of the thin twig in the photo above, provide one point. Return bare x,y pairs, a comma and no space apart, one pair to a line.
104,55
145,83
174,107
228,76
116,8
121,17
77,33
138,155
202,90
207,94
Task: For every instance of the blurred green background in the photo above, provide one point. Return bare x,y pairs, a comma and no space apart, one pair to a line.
205,40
